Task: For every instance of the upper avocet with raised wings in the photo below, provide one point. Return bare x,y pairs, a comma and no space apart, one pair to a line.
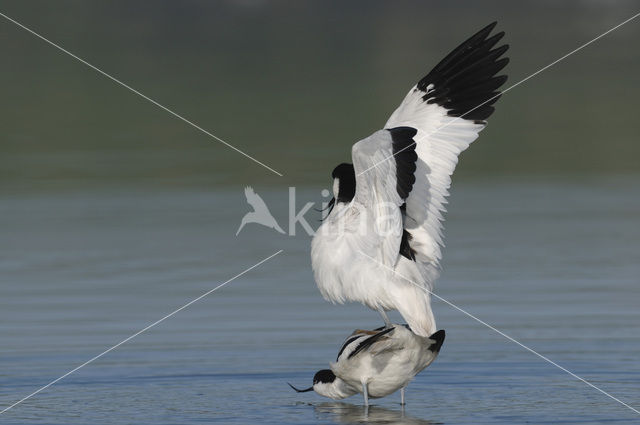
380,243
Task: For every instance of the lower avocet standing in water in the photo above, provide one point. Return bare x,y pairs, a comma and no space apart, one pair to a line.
377,363
380,243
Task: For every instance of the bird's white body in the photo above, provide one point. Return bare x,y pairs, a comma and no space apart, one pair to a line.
388,365
344,273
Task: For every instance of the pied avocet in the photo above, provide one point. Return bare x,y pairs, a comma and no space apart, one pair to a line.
377,363
380,243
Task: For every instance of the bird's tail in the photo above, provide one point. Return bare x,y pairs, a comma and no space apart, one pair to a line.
414,304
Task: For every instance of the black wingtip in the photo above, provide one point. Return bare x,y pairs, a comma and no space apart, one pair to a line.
486,30
438,337
298,390
464,81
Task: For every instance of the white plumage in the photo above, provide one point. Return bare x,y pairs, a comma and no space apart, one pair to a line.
377,363
380,245
439,141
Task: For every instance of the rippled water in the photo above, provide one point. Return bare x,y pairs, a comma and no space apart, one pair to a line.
554,265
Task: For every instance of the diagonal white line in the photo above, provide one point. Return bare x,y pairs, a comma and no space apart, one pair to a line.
501,333
114,79
139,332
577,49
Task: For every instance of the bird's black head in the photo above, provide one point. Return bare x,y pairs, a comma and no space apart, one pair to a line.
344,182
324,376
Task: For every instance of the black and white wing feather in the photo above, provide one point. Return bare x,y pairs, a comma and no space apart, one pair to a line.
447,108
385,164
361,341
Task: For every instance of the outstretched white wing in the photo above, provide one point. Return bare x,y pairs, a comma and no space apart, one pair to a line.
447,108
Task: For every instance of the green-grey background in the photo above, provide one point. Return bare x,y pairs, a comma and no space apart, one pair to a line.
114,213
294,84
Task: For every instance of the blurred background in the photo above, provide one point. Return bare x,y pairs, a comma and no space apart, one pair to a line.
294,84
115,213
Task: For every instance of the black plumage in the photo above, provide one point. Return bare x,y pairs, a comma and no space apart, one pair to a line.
347,177
346,343
405,247
465,81
325,376
438,337
369,341
404,153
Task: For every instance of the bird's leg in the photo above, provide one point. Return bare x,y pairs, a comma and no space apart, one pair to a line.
365,393
387,322
402,396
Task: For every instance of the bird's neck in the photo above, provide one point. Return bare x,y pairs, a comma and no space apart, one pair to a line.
337,390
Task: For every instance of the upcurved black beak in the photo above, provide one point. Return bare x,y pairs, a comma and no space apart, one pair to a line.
329,207
300,391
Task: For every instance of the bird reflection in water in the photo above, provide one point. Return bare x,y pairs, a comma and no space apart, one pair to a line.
346,413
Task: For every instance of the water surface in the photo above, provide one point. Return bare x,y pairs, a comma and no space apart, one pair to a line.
554,265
